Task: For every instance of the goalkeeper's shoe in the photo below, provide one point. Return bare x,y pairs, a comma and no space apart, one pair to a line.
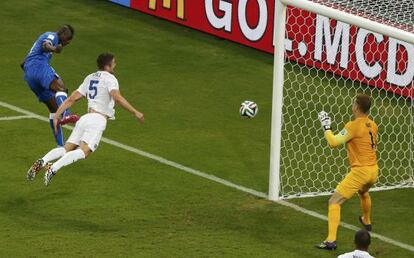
368,227
70,119
49,173
327,245
34,169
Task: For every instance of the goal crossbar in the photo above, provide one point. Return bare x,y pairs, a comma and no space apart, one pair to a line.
352,19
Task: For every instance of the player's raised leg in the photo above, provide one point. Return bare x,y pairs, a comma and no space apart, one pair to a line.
70,157
61,95
40,163
53,93
57,133
38,79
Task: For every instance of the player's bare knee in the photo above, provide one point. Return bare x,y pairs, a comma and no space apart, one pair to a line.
61,87
58,85
85,148
64,89
67,148
70,146
86,152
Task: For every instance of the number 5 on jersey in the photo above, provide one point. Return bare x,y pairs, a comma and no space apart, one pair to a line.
93,89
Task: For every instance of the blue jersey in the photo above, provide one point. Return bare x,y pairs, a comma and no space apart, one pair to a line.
37,54
37,71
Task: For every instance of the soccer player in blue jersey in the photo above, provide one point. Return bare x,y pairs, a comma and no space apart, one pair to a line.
42,78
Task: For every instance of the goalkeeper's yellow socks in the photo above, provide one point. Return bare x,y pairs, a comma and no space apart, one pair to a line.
334,217
365,201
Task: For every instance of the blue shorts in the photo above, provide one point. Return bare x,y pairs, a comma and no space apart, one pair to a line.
39,77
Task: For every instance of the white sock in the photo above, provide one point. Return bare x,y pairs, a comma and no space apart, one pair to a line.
67,159
54,154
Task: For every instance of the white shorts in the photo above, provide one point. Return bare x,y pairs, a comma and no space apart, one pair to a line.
88,129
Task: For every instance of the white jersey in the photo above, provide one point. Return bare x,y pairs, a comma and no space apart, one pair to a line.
96,88
356,254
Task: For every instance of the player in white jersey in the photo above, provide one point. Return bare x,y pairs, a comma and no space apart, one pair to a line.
362,241
102,91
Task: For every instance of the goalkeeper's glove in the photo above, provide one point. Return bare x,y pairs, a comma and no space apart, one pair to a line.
325,120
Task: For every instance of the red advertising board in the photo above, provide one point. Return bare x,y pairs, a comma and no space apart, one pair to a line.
311,39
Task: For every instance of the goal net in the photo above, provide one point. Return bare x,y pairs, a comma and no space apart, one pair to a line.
328,59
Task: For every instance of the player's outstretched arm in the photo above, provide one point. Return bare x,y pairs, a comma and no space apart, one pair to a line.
333,140
48,47
76,95
119,99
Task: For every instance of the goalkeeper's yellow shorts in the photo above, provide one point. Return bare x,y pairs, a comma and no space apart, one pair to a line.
358,179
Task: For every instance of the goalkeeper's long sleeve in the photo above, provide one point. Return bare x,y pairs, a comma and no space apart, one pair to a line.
337,139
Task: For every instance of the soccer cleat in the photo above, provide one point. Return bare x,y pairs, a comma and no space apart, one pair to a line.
34,169
327,245
70,119
49,173
367,227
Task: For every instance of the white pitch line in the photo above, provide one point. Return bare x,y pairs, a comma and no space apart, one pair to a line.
216,179
8,118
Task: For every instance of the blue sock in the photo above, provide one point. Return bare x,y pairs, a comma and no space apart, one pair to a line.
60,98
59,134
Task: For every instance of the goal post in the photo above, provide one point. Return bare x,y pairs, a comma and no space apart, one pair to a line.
278,79
301,164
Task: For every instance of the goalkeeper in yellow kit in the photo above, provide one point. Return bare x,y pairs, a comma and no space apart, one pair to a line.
360,136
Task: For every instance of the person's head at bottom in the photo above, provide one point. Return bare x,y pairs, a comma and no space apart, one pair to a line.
362,240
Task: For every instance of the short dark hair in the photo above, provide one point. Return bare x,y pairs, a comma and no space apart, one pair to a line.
362,239
66,28
104,60
364,103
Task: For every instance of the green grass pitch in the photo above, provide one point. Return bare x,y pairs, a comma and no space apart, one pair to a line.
117,204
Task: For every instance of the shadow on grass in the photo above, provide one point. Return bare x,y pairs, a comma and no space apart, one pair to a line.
34,212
